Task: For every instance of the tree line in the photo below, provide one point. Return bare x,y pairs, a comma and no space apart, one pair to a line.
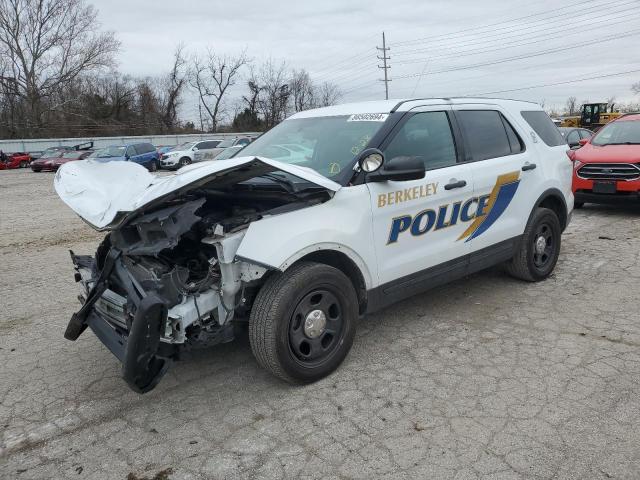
58,78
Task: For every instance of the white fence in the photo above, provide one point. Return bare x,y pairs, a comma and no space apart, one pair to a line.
40,144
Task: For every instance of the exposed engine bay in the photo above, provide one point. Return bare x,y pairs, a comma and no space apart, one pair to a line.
167,278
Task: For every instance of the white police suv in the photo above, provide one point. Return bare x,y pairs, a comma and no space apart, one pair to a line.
386,200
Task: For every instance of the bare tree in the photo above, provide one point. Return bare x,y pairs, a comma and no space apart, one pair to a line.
173,85
635,88
571,105
328,94
46,45
211,76
301,90
611,101
274,92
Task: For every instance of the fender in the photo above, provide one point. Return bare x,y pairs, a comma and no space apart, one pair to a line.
337,247
556,195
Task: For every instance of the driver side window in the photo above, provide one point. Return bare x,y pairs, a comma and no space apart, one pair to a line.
428,136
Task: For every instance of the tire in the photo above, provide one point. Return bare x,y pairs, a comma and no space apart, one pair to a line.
282,340
577,205
24,164
184,161
535,260
153,166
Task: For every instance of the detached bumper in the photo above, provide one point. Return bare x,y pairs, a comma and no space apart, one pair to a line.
136,342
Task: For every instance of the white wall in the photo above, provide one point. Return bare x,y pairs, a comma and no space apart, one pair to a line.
40,144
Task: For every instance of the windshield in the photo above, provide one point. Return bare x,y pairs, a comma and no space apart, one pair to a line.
325,144
227,143
72,154
50,151
182,146
618,133
228,153
111,152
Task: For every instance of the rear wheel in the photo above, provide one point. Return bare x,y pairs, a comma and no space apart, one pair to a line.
539,247
303,322
24,164
153,166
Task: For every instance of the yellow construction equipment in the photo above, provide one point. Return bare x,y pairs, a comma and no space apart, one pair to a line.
592,116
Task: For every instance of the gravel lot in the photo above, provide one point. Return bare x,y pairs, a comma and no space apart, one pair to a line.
485,378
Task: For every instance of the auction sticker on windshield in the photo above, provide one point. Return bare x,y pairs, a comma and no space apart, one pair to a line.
368,117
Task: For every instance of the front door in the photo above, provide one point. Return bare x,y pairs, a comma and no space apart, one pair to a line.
416,223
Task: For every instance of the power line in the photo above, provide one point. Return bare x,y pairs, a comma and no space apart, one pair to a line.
384,49
472,29
531,33
596,77
625,18
531,55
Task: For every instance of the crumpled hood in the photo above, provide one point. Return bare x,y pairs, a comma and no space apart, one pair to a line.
101,191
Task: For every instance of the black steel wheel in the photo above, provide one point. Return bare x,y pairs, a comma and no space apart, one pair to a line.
539,248
543,245
303,322
316,327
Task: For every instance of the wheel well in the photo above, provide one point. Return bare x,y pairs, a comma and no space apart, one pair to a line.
555,203
347,266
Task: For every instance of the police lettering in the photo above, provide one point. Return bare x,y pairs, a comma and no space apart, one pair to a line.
445,216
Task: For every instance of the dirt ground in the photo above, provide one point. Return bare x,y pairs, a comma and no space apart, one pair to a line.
487,378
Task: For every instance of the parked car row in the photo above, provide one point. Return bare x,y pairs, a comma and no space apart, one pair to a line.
200,151
150,156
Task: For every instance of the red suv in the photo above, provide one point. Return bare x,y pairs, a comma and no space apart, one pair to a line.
606,169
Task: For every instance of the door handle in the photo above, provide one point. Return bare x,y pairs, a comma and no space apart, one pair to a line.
458,184
528,166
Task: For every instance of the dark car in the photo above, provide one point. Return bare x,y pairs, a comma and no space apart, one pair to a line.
573,135
46,162
69,157
143,153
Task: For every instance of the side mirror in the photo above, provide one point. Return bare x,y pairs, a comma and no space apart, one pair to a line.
584,141
194,149
399,169
370,160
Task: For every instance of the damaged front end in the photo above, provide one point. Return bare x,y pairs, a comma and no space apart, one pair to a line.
167,277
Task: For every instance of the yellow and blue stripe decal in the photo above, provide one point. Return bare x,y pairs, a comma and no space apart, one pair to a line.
499,199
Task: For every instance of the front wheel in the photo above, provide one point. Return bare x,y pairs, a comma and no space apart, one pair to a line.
539,247
184,161
303,322
153,166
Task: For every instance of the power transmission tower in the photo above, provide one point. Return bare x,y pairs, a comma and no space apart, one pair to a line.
384,49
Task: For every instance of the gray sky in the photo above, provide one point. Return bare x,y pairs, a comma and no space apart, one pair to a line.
438,48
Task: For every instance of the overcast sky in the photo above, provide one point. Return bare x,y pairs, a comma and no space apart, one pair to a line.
438,48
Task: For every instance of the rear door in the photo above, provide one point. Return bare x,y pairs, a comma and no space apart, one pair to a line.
416,223
504,174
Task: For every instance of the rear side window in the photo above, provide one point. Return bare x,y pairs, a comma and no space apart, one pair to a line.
485,133
544,127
